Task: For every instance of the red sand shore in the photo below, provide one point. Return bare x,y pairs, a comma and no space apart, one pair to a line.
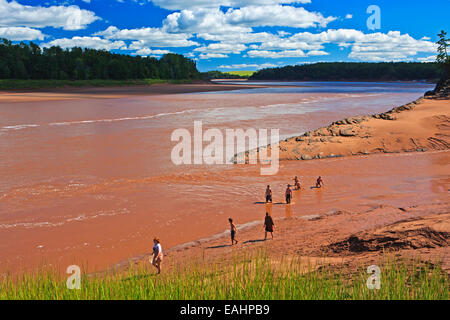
353,239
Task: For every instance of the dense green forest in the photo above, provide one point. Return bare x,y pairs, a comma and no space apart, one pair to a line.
386,71
29,61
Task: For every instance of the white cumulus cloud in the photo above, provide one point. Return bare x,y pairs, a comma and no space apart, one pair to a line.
213,21
242,20
190,4
247,66
222,47
288,16
276,54
212,55
21,33
67,17
150,52
427,59
376,46
154,37
87,42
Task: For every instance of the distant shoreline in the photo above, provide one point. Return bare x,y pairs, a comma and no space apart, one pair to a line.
72,92
318,81
13,85
151,86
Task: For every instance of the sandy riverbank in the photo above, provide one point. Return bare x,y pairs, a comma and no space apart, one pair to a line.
421,125
338,238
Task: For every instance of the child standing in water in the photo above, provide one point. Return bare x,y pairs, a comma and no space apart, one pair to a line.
297,183
157,254
233,232
268,194
288,194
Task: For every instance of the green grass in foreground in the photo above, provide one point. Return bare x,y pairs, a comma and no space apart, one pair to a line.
241,73
248,277
8,84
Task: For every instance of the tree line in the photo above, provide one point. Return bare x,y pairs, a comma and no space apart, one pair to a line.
29,61
349,71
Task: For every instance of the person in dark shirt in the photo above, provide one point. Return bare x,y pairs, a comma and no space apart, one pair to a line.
288,194
268,225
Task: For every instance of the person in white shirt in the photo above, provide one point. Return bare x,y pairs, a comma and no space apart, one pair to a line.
157,254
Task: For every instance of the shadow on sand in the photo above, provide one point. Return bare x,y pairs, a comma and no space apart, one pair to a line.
275,203
254,241
219,246
139,277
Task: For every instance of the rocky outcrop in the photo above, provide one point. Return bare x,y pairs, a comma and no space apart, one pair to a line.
442,91
428,232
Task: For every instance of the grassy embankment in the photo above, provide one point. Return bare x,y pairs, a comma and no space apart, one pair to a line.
250,277
241,73
10,84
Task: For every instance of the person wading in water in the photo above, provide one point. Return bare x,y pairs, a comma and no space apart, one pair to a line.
297,183
268,194
288,194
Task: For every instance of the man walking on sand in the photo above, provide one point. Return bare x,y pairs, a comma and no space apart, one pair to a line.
268,225
233,232
288,194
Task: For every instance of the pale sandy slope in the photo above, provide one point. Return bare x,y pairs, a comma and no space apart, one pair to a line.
419,126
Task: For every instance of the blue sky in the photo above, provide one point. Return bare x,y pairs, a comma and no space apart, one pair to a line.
234,34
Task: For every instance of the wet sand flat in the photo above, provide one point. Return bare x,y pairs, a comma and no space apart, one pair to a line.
71,93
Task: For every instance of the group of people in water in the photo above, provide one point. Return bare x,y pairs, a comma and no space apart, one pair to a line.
288,192
268,221
269,225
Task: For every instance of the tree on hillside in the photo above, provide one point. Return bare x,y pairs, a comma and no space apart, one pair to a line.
442,57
